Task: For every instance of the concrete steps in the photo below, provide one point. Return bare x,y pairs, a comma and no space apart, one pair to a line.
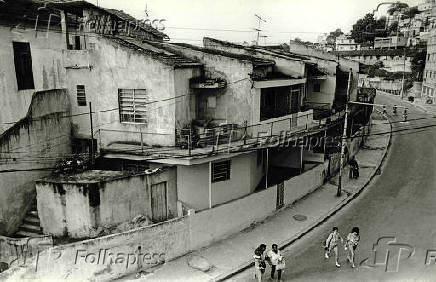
31,225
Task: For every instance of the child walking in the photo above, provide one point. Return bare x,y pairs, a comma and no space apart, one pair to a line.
259,262
332,244
352,241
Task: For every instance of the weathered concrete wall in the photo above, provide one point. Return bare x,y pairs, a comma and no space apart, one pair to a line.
214,224
323,57
114,67
109,257
35,142
187,103
293,67
48,71
299,186
234,103
78,209
193,182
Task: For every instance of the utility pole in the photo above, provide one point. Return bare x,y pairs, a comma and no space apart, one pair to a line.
404,70
344,136
259,18
91,151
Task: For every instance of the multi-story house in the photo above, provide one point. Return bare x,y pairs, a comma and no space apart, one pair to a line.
391,42
173,127
429,77
393,60
346,43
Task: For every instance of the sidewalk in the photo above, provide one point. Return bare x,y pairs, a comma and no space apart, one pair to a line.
419,103
234,254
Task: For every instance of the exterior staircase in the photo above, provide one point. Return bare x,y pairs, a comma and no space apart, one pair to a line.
31,225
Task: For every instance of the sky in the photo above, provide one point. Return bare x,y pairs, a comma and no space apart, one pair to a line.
233,20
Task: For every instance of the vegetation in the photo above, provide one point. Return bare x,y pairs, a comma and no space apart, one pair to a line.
367,28
397,7
331,38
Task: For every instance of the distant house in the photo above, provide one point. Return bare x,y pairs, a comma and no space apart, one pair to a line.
391,42
393,60
346,43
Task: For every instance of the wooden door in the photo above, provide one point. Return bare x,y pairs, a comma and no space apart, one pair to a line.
159,207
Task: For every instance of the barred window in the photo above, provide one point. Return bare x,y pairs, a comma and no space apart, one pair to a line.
132,104
81,95
221,171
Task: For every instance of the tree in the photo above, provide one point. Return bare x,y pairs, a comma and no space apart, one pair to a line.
397,7
367,28
411,12
331,38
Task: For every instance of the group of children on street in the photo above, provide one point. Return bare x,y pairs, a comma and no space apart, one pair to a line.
277,262
351,242
274,259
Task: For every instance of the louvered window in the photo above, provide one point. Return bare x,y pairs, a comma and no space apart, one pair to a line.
221,171
81,95
132,104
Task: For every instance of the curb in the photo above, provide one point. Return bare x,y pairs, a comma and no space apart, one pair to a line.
320,221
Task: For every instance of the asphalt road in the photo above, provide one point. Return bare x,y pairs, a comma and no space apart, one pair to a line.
400,203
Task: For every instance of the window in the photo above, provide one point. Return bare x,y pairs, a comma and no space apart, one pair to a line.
81,95
23,65
317,87
74,43
132,105
221,171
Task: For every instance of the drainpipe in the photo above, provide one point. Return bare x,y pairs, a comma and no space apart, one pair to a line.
267,168
210,185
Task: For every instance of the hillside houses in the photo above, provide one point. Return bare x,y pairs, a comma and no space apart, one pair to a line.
177,127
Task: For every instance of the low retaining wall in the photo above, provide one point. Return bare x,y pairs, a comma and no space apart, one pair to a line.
299,186
214,224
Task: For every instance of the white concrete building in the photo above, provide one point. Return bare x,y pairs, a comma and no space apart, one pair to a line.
346,43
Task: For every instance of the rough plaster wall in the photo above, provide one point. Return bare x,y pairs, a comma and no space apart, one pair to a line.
117,67
48,70
161,242
40,135
120,200
297,187
212,225
193,182
295,68
233,103
185,105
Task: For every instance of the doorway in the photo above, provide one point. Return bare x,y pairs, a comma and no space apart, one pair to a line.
159,206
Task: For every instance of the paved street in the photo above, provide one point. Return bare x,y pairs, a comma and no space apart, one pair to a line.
399,203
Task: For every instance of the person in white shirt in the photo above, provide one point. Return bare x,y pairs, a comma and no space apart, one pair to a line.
259,262
352,241
276,261
331,244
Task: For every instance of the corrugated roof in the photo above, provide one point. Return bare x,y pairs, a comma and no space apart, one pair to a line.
167,58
